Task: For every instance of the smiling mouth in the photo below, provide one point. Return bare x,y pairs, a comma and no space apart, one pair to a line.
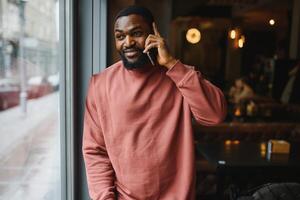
131,53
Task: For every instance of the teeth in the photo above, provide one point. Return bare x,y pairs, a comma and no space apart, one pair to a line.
131,53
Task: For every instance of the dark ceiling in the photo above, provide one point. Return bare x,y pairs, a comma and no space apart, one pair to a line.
248,13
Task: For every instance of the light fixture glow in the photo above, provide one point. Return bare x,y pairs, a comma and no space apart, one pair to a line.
193,35
232,34
236,142
241,41
272,22
263,149
241,44
227,142
237,112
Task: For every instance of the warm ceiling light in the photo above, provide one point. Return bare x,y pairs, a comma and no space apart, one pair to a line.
272,22
227,142
236,142
232,34
193,35
241,43
243,39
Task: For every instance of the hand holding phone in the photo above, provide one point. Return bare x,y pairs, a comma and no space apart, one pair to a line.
156,42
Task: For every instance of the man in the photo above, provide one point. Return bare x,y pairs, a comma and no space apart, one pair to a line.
138,139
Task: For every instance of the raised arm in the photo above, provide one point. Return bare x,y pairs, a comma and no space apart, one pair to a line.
206,101
100,174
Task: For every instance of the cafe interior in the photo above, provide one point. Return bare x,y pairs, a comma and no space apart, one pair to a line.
251,50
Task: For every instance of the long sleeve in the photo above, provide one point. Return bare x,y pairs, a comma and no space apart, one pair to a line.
206,101
100,174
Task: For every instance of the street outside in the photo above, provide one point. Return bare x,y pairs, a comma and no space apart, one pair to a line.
30,151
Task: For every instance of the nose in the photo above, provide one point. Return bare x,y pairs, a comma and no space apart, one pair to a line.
129,41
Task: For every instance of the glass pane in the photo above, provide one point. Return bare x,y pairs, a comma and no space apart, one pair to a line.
29,100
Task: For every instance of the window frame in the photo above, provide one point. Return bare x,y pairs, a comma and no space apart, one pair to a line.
66,95
83,46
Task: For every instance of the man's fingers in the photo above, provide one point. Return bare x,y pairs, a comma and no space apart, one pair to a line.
155,29
152,38
150,46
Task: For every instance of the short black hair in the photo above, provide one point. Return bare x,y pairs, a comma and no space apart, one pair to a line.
138,10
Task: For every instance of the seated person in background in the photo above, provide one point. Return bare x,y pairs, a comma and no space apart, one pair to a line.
240,90
291,92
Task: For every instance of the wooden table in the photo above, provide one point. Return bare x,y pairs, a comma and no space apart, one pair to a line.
249,160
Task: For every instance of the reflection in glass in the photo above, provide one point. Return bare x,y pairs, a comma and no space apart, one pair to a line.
29,102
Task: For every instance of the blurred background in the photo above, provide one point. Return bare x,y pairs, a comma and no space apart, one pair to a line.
29,100
251,50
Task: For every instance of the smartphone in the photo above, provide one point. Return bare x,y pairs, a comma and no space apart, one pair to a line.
152,53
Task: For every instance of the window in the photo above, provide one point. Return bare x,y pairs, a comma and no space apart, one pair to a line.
30,153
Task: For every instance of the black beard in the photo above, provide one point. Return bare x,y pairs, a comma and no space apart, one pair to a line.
140,63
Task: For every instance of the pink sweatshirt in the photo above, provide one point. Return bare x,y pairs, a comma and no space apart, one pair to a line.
138,138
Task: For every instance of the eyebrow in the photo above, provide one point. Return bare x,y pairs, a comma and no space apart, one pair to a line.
133,29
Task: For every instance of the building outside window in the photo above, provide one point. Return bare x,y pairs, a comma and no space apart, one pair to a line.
30,153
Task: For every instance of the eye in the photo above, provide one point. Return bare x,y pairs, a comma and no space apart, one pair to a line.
137,34
119,36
